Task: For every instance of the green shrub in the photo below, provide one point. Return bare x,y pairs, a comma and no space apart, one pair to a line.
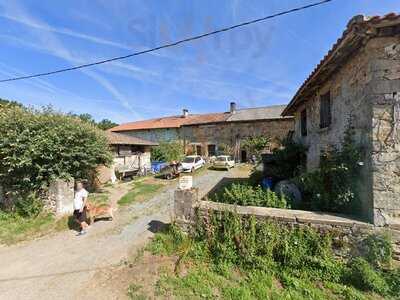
365,278
377,249
167,151
38,146
392,277
28,205
288,161
245,194
256,144
334,186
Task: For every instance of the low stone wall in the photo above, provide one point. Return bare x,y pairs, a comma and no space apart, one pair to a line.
188,208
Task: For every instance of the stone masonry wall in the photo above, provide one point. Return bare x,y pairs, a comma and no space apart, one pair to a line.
60,197
348,88
187,208
229,133
384,93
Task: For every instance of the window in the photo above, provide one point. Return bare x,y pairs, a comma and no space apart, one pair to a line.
303,122
211,150
325,110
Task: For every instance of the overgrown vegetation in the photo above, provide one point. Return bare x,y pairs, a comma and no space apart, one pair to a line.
245,194
167,151
234,257
37,146
334,186
256,144
288,161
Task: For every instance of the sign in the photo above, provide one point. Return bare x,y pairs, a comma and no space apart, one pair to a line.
185,182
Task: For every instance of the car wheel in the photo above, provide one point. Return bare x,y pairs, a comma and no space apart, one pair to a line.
192,170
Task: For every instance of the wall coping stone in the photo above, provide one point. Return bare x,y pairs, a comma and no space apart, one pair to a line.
287,215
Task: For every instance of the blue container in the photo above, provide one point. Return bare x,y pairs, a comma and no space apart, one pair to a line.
156,166
267,183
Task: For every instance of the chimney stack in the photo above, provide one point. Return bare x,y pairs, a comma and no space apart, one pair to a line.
232,107
185,113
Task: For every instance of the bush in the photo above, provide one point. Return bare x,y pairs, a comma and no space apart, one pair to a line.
244,194
39,146
365,278
167,151
28,205
334,186
256,144
288,161
377,249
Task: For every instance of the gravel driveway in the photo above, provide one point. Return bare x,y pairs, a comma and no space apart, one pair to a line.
60,266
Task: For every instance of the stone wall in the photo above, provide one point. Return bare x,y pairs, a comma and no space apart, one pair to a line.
188,207
365,89
60,197
385,98
230,133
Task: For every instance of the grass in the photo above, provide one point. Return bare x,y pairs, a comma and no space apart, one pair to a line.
14,228
202,272
98,198
141,190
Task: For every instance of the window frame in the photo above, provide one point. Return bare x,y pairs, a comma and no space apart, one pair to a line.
303,122
325,110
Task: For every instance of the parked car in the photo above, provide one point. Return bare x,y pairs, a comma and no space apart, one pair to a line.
192,163
224,162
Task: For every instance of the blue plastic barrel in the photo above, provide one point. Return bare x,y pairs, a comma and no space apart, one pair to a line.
267,183
156,166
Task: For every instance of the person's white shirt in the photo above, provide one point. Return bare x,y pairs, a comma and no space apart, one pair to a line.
78,200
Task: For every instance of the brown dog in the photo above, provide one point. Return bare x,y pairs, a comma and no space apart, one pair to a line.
100,210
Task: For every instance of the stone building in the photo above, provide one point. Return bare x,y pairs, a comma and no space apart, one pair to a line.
357,84
129,153
207,137
205,134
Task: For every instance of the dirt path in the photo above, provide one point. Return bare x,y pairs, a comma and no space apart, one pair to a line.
61,266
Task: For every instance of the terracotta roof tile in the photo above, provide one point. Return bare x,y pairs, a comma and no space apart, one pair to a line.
258,113
353,24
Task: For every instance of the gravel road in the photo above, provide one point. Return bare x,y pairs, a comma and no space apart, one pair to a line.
59,266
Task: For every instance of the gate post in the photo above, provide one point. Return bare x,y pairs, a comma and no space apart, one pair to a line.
185,202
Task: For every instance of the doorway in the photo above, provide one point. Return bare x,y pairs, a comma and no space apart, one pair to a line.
243,156
198,150
211,150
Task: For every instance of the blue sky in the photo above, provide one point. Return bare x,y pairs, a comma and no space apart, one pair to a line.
258,65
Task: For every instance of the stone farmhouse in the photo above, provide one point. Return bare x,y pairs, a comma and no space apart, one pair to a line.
130,153
205,134
357,84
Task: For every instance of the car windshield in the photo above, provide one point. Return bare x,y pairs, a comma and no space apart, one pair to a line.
221,158
188,160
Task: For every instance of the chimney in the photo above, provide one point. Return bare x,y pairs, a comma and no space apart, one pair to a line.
232,108
185,113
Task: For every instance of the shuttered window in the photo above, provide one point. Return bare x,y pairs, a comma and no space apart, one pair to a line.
303,122
325,110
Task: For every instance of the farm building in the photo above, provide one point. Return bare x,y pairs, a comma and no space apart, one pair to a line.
357,86
205,134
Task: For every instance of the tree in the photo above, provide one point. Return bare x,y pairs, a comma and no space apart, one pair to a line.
167,151
256,144
106,124
4,102
37,146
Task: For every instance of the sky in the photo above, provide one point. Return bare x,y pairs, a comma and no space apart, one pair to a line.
258,65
